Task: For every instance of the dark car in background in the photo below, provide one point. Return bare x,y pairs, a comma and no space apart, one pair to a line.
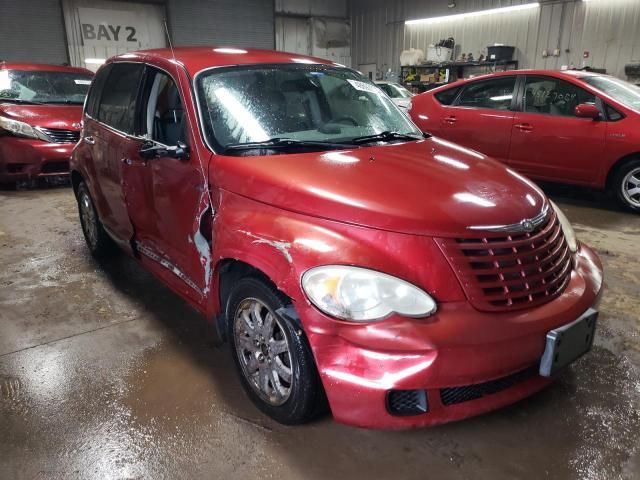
572,127
40,114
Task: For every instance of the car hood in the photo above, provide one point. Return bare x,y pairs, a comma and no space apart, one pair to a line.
426,187
65,117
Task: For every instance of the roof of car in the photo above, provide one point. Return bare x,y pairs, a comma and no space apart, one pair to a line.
42,67
553,73
196,59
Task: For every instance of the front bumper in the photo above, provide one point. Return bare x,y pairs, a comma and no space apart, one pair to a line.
457,347
25,158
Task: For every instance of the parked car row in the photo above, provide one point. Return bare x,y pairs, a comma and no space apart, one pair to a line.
572,127
349,258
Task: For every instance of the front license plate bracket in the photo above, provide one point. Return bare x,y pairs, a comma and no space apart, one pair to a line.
567,343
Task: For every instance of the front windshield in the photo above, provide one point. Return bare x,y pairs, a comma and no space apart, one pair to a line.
43,87
624,92
304,103
394,90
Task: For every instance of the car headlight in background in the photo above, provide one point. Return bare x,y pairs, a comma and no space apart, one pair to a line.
361,295
21,129
567,229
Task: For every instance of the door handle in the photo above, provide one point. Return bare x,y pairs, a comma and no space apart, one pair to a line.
90,140
451,120
524,127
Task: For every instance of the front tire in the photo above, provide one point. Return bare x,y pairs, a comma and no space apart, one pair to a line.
98,241
272,355
626,185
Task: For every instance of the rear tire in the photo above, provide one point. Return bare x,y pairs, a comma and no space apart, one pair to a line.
272,355
98,241
626,185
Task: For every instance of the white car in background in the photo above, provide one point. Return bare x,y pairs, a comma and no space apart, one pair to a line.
400,95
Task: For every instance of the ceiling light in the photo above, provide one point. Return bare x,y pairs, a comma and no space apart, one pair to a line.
460,16
229,50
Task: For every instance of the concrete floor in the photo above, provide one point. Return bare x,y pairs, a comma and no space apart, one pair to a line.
106,374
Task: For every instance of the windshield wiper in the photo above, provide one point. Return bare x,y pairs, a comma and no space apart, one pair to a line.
20,100
385,136
283,143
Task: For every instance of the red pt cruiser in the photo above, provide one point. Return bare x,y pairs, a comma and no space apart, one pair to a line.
40,113
571,127
345,256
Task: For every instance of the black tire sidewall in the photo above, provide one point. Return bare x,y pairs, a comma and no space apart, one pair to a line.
618,186
301,406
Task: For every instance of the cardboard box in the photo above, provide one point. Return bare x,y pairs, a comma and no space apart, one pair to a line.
428,78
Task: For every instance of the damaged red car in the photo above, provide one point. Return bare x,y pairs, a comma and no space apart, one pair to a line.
40,113
349,260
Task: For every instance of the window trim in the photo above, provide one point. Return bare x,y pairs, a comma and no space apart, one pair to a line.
141,105
144,64
511,108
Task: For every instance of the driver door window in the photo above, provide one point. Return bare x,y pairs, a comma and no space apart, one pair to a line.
163,113
552,96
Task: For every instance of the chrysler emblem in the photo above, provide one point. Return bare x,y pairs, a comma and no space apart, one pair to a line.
527,226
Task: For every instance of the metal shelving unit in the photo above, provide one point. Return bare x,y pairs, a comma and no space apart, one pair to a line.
453,71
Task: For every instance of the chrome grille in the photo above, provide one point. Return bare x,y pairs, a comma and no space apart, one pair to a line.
61,136
510,271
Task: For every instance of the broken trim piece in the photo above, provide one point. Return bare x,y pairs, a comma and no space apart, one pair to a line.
147,252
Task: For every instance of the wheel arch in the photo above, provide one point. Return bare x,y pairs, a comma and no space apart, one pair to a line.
230,270
617,165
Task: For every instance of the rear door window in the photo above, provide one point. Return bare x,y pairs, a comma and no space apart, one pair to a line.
495,94
93,99
446,97
118,99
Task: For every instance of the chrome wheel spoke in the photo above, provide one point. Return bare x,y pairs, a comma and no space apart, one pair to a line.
634,180
252,364
246,343
278,388
278,347
247,321
633,191
263,378
282,370
267,327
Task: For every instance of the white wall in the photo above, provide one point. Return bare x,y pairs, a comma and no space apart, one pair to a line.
312,28
608,29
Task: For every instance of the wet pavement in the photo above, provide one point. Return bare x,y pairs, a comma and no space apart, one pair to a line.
106,374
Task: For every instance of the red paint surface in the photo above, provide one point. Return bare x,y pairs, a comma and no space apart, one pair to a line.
376,207
33,155
546,147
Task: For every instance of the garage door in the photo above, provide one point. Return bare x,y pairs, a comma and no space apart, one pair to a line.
99,30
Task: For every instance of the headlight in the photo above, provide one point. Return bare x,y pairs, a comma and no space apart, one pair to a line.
361,295
569,234
21,129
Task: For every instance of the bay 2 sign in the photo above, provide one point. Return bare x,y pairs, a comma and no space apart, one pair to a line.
113,28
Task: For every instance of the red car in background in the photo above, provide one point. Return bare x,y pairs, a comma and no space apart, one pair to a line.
560,126
40,114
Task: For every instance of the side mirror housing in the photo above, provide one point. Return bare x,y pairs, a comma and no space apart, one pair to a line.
587,110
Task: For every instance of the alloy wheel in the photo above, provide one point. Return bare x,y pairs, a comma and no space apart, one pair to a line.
88,219
631,187
263,351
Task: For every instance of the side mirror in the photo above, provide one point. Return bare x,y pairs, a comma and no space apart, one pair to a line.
587,110
151,150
